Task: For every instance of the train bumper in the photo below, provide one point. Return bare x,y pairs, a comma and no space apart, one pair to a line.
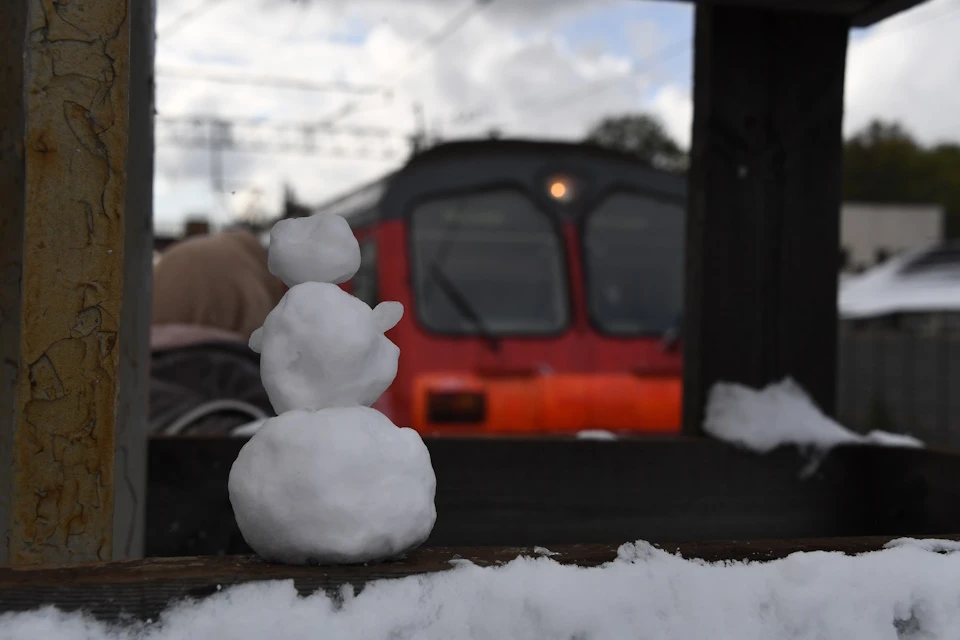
556,403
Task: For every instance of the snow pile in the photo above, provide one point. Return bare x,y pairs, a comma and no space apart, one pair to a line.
903,592
353,487
930,544
781,414
595,434
329,480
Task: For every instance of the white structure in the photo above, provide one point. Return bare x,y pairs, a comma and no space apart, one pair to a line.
916,282
870,233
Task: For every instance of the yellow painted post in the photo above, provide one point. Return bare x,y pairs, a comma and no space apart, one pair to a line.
63,206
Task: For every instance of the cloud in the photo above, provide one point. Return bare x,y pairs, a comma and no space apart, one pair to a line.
520,66
908,68
508,67
675,108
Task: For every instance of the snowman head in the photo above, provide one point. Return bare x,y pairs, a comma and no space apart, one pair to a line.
321,348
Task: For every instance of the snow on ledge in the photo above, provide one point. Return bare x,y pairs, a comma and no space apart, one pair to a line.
905,591
781,414
595,434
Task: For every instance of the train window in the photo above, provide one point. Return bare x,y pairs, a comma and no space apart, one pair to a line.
365,281
488,262
634,252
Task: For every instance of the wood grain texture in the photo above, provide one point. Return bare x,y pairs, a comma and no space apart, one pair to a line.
75,147
764,203
134,343
525,492
144,588
13,28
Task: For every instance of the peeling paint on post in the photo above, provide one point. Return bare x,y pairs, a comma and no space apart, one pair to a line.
60,432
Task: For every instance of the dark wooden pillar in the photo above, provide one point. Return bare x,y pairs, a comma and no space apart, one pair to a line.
764,206
130,478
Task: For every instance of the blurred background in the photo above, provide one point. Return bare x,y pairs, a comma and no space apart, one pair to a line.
271,108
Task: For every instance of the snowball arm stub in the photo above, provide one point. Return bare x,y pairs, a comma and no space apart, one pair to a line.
387,315
334,486
317,248
322,348
256,340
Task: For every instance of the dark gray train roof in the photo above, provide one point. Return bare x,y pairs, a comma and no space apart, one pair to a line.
470,164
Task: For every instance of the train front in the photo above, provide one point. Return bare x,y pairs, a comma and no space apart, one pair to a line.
543,285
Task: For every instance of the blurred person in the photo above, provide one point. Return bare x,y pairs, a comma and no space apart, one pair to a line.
212,287
210,292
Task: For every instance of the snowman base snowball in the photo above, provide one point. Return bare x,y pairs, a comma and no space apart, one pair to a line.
334,486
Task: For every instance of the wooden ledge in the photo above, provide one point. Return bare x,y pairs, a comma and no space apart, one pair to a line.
144,588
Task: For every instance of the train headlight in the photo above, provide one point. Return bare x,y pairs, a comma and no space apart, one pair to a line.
561,188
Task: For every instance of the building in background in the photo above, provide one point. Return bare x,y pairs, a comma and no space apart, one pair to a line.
872,233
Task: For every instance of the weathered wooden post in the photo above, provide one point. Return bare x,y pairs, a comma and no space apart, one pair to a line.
762,233
64,94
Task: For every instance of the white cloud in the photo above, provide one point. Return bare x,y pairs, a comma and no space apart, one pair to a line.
506,68
675,108
510,67
908,68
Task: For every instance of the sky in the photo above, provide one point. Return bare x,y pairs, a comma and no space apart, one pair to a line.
528,68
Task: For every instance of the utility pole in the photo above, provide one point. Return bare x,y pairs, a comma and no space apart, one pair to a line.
419,138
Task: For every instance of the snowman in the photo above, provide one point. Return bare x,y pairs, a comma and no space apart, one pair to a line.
329,480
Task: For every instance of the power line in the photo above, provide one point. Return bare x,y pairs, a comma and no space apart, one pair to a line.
432,43
427,47
261,125
254,136
668,52
187,17
571,97
295,84
590,90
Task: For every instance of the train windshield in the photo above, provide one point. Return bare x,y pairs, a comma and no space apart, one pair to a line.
634,251
489,263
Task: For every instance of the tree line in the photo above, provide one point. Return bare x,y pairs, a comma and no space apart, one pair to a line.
882,162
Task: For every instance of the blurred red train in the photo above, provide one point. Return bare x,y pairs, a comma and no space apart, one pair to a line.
542,282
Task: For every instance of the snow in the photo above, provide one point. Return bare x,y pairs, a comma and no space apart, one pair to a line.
778,415
321,347
928,544
340,485
903,592
596,434
317,248
329,480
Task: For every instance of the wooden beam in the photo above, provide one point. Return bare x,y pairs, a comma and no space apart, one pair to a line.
863,13
881,10
69,145
143,589
764,202
134,345
547,491
13,29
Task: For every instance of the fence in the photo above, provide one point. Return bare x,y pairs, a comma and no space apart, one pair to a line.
901,381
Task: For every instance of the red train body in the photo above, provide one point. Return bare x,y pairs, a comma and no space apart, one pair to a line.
542,284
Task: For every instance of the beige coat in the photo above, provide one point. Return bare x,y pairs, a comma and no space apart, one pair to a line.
219,281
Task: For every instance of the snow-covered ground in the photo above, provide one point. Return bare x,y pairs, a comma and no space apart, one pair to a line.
903,592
